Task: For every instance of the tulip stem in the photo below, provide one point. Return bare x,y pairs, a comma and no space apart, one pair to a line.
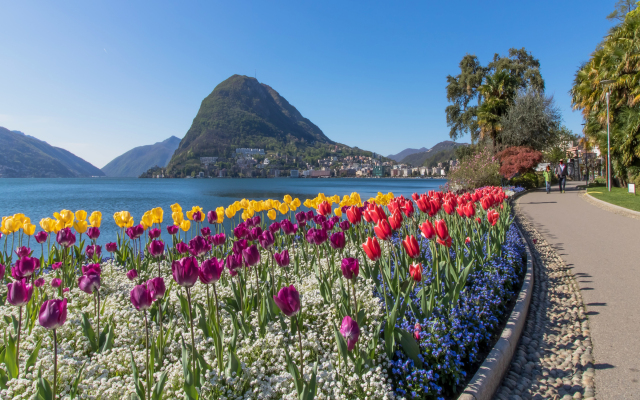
299,321
98,313
193,341
146,344
215,295
355,299
55,363
19,329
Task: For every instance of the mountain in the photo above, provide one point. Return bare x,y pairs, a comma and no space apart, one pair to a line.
406,152
244,113
139,159
24,156
443,151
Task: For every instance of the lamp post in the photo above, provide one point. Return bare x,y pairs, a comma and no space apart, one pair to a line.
586,155
606,82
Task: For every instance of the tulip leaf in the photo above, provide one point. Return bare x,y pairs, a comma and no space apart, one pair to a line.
74,385
295,374
184,309
410,346
88,331
158,388
31,361
202,322
16,324
7,320
310,389
44,387
107,337
10,358
136,379
233,364
3,379
189,382
341,343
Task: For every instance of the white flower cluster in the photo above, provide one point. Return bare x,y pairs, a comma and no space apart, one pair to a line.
264,374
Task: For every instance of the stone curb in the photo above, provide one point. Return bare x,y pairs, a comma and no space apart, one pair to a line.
610,207
487,379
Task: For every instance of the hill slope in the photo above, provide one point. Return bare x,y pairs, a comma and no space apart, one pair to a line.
24,156
442,151
241,112
406,152
139,159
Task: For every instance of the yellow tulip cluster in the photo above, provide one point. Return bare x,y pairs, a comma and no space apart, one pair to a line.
153,216
13,224
248,208
347,200
382,199
123,219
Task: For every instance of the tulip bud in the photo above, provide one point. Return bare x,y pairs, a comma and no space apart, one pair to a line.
210,271
205,231
38,282
132,274
156,248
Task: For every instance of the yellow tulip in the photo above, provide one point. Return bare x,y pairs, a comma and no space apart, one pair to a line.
307,203
283,208
271,214
268,204
7,224
95,219
220,213
338,212
296,202
287,199
336,199
80,226
176,208
147,220
177,217
230,212
185,225
29,229
157,213
21,218
81,215
244,203
245,215
47,224
58,226
129,223
65,216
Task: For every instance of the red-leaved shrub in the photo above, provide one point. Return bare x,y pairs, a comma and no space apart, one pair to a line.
518,160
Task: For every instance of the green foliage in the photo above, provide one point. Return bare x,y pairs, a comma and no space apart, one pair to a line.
623,7
477,170
442,152
528,180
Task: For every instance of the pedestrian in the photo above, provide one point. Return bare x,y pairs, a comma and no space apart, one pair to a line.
561,172
547,178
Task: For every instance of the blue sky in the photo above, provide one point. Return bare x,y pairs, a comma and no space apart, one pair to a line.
100,77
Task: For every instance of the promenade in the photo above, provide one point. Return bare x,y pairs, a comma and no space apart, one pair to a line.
602,249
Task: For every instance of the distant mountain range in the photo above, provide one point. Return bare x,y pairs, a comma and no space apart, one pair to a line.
441,152
24,156
139,159
244,113
406,152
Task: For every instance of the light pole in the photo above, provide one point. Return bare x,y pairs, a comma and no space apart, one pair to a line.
606,82
586,155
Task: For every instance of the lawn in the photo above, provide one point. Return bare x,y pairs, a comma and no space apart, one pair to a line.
618,196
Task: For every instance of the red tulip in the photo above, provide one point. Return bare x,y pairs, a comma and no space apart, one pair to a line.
354,215
422,205
372,248
410,245
415,270
441,229
324,208
448,207
395,220
427,230
383,229
492,217
467,240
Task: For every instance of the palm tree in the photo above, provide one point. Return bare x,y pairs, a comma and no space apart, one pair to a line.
497,94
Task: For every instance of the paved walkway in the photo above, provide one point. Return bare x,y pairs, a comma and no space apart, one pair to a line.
603,251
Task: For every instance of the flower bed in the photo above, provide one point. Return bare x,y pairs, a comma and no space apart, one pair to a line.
388,298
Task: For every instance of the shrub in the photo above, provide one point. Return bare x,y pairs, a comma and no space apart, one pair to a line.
528,180
476,170
518,160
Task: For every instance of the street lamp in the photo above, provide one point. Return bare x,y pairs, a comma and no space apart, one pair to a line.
606,82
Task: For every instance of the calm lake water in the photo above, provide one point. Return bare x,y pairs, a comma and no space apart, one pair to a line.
40,198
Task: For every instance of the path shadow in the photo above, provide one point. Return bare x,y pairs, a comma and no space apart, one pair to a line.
587,288
597,304
541,202
582,275
603,366
592,313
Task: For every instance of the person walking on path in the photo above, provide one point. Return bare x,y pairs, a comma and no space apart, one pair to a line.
547,178
561,172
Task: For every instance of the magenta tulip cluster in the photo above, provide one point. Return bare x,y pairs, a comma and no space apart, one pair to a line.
89,282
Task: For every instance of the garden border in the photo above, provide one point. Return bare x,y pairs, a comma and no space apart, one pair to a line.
487,379
605,205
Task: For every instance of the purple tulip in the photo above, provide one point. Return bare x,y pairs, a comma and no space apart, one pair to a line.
156,287
350,267
210,271
156,248
218,240
141,298
248,223
311,235
240,231
41,237
38,282
2,271
309,215
93,250
56,282
282,259
206,231
65,237
212,217
251,255
25,267
185,271
351,331
288,300
301,217
344,209
319,219
23,251
287,227
93,233
135,231
111,247
345,225
56,265
182,248
234,261
274,227
254,233
266,239
239,245
337,240
89,283
132,274
327,225
335,219
19,293
91,269
256,220
154,233
53,313
316,236
172,229
198,216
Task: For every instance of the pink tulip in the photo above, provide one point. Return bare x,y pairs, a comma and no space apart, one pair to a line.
93,233
350,268
351,332
111,247
141,298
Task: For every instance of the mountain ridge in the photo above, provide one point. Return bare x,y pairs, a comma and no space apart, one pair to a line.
442,151
139,159
406,152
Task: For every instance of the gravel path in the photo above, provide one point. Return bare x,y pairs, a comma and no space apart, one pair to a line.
554,357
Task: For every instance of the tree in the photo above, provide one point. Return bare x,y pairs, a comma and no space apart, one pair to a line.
498,92
518,160
463,90
623,7
533,121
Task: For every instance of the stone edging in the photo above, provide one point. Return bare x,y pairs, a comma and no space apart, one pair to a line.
487,379
610,207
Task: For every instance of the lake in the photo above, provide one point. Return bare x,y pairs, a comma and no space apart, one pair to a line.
40,198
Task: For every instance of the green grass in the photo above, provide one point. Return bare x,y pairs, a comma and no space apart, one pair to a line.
618,196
